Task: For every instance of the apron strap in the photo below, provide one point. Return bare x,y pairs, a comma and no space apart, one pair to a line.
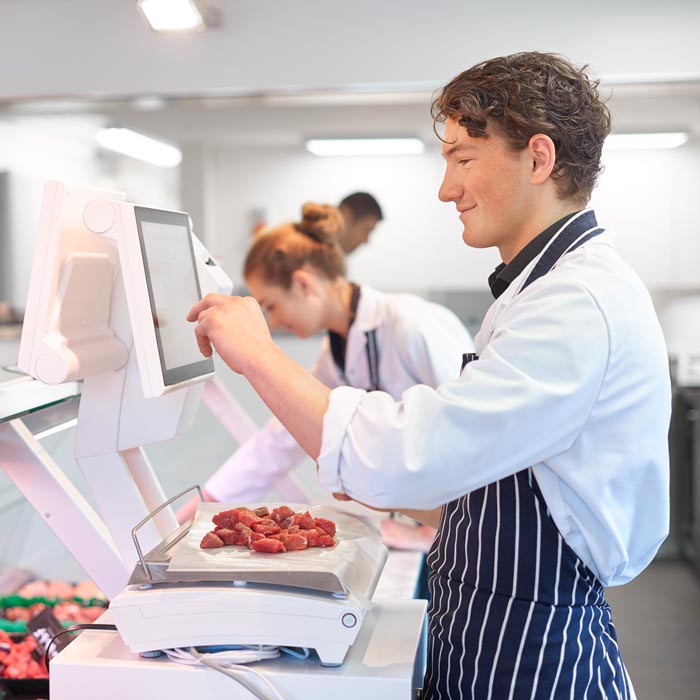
372,359
582,229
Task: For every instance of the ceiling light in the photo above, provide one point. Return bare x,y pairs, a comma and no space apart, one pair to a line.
365,147
131,143
171,15
640,142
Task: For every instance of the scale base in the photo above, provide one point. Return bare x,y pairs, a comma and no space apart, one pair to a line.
387,660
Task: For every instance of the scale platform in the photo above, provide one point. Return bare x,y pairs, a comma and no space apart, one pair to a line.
181,595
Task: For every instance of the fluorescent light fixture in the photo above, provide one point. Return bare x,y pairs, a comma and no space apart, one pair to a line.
641,142
365,147
171,15
131,143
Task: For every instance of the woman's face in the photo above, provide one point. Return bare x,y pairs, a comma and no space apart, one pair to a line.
299,309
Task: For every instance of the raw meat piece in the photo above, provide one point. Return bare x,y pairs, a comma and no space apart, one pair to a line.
281,513
325,540
247,517
295,543
227,518
210,541
255,537
268,546
324,524
227,536
262,512
267,527
304,521
312,537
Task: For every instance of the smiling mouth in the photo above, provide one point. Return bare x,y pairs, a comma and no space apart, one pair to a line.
462,212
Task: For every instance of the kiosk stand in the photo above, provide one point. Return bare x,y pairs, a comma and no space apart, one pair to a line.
110,288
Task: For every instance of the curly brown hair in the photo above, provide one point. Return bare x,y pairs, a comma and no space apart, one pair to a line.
277,252
530,93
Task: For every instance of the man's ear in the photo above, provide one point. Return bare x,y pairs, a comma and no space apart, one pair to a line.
542,153
304,281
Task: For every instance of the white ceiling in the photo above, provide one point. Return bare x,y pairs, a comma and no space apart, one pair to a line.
277,71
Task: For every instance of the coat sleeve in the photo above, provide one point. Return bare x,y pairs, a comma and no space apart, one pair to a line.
525,399
266,456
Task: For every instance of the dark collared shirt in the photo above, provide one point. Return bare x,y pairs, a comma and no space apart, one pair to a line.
339,345
503,275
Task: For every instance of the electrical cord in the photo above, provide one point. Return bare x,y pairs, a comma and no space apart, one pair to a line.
74,628
230,662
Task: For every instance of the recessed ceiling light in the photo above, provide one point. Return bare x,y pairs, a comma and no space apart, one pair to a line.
365,147
171,15
131,143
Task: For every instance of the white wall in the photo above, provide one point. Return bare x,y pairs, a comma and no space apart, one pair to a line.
648,197
36,149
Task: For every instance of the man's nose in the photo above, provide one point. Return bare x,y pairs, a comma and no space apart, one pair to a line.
447,191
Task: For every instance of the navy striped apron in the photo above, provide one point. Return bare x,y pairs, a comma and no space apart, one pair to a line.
514,613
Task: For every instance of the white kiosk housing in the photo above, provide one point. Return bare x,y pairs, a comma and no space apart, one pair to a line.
110,288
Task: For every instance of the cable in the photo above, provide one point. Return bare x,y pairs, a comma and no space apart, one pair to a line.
74,628
229,662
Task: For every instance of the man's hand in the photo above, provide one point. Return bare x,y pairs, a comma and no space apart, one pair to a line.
234,326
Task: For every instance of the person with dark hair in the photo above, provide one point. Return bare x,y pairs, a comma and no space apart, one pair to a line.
549,451
375,341
361,213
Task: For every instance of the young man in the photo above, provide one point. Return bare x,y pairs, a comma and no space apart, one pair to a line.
361,213
550,449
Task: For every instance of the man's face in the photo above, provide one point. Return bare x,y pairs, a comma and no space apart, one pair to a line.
356,231
490,185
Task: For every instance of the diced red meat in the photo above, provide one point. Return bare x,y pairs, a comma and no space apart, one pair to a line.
325,540
248,518
295,543
268,546
255,537
267,527
281,512
326,525
312,537
227,518
227,536
304,521
279,531
210,541
282,536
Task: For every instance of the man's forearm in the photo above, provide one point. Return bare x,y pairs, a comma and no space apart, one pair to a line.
426,517
293,394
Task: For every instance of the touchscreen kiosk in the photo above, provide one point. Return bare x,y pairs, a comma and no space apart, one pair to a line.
173,285
111,286
72,328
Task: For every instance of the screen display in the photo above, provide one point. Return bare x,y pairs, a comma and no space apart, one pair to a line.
173,287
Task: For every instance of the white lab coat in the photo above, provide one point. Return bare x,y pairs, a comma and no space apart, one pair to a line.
572,380
418,341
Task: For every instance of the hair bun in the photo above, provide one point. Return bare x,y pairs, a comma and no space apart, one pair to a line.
320,222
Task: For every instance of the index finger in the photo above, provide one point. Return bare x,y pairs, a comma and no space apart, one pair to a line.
209,300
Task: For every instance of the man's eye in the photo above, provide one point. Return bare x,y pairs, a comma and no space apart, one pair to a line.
464,162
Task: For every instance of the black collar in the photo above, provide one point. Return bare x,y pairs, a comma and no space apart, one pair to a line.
503,275
339,345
